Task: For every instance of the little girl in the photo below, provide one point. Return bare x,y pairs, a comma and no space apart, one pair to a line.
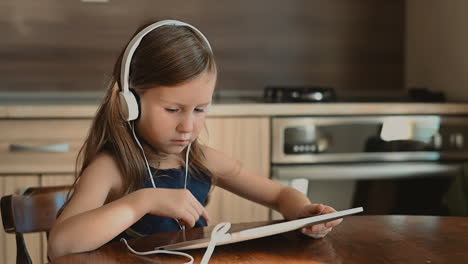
142,170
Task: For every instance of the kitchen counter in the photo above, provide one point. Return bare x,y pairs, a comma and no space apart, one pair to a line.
87,110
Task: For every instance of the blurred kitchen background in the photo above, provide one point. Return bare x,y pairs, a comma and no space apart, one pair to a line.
359,48
321,52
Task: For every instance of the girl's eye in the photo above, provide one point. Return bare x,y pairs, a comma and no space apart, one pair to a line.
172,110
200,110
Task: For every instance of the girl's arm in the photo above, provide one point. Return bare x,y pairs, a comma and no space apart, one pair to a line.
234,178
84,223
88,222
291,203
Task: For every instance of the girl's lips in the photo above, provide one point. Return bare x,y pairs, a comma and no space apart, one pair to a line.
180,142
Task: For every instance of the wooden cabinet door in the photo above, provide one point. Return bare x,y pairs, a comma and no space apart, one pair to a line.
41,145
56,180
10,185
247,140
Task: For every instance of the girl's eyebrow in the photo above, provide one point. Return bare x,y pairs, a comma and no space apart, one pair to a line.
178,104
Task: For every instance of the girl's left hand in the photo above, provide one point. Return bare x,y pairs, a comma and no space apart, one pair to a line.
319,230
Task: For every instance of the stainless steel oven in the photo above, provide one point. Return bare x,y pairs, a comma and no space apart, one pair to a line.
388,164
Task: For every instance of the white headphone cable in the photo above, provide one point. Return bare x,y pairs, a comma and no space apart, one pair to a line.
158,251
186,164
217,234
142,151
132,127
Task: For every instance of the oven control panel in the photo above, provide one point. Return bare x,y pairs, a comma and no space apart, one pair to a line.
368,138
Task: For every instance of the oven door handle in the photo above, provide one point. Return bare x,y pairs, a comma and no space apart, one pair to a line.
364,171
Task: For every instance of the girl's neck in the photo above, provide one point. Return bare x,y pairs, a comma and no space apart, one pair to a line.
162,161
169,165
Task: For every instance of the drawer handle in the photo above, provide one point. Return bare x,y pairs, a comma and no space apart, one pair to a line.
49,148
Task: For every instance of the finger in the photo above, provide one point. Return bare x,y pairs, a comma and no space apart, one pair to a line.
189,216
201,211
185,221
318,234
314,209
325,231
317,228
197,205
334,223
206,216
193,215
328,209
320,208
181,222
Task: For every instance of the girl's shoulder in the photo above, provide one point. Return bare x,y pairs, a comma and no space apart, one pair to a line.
95,186
103,171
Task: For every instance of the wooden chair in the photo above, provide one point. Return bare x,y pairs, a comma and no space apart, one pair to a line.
33,211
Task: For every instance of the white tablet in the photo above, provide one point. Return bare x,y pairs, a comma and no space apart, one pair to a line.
263,231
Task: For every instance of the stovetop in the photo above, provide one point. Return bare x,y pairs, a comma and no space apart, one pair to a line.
317,94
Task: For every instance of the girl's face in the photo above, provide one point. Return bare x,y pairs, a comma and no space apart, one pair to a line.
173,116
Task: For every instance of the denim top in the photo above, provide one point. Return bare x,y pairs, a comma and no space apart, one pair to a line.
170,179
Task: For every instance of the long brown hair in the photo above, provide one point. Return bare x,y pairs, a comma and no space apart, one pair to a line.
167,56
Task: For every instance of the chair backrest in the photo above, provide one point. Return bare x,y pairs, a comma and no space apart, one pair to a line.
33,211
47,189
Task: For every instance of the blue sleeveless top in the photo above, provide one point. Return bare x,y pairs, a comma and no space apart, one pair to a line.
170,179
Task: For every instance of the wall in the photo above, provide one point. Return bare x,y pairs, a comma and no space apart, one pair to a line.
71,46
437,46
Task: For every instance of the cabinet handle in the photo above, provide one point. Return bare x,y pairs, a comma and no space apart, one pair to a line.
49,148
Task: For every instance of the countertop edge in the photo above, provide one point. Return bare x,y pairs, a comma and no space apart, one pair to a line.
253,110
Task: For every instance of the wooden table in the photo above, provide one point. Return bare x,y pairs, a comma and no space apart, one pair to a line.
359,239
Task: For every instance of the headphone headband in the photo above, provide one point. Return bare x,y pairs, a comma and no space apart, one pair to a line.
129,104
131,47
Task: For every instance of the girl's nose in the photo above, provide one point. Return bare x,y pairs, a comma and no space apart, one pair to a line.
186,124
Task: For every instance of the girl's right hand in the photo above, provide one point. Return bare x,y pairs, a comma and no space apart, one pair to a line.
176,203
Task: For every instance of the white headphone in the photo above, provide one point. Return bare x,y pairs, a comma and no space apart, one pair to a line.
128,101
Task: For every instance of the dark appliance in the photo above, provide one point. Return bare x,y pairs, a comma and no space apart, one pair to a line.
278,94
388,164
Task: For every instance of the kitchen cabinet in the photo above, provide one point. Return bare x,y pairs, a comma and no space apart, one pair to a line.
25,161
36,152
246,139
34,146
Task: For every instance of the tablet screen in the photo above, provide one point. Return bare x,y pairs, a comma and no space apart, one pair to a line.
258,230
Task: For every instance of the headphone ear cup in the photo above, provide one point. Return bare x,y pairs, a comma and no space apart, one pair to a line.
138,103
129,105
